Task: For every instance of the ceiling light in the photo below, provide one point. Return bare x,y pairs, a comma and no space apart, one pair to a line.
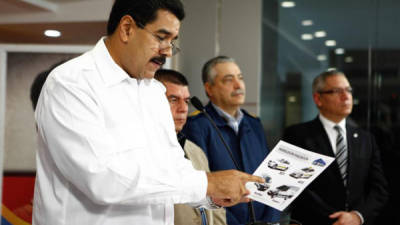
52,33
292,99
339,51
331,69
348,59
330,43
320,34
306,37
288,4
321,57
307,22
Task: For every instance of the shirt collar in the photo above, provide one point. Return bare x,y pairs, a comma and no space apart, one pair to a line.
238,118
329,124
110,71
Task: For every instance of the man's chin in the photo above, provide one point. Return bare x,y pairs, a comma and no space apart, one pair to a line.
148,74
179,126
239,99
239,102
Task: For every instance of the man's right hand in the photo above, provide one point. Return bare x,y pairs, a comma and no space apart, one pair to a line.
227,188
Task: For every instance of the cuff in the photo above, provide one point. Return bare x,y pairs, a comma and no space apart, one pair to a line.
212,204
359,215
206,203
195,186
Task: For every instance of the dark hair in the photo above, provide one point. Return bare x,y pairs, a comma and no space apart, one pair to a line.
319,81
142,11
207,73
38,83
164,75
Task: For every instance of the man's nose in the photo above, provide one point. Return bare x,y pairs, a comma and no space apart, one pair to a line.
237,83
345,95
167,52
183,106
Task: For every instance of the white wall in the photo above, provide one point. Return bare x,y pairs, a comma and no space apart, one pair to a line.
20,132
239,37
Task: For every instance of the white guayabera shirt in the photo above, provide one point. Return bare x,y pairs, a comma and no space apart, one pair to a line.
108,152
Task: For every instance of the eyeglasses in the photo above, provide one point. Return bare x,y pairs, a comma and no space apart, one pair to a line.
337,91
162,41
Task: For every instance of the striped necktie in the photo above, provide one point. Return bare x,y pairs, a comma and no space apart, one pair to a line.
341,154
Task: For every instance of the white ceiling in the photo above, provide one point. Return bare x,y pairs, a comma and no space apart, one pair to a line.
17,6
24,21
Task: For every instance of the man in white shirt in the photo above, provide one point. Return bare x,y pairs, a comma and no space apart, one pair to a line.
108,153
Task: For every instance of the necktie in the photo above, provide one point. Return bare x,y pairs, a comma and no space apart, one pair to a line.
341,153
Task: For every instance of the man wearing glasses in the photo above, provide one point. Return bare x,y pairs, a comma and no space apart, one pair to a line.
353,190
108,152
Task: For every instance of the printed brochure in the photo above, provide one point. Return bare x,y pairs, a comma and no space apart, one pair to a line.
287,171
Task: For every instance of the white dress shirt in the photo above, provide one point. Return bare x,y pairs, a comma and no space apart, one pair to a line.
108,152
332,133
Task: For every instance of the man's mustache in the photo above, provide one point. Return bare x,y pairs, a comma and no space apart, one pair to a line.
159,60
237,92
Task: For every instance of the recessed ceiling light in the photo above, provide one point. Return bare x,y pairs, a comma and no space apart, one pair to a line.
320,34
306,37
292,99
339,51
288,4
321,57
330,43
348,59
307,22
52,33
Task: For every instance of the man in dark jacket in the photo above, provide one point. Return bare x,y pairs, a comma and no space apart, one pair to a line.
225,87
352,190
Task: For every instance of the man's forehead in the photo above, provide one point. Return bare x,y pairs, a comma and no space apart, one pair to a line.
172,87
337,81
227,67
165,23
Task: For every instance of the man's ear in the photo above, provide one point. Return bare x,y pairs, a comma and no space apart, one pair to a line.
126,27
207,88
317,99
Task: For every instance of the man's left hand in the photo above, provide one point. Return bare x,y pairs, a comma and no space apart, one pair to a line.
345,218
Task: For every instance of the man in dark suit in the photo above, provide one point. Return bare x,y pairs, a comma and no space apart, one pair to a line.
352,190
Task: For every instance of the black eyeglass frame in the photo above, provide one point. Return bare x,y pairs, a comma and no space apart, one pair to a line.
347,90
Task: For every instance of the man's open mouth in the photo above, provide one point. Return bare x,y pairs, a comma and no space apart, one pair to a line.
158,60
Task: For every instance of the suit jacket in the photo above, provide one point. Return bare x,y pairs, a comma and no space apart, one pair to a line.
366,189
249,148
185,214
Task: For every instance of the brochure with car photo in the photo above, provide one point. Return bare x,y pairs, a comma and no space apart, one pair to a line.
287,171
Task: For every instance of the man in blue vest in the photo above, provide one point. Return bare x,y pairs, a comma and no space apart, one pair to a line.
225,87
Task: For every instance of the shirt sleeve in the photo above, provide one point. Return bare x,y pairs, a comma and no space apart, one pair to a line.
71,127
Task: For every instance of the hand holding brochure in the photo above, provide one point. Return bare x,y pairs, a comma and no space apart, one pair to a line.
287,171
